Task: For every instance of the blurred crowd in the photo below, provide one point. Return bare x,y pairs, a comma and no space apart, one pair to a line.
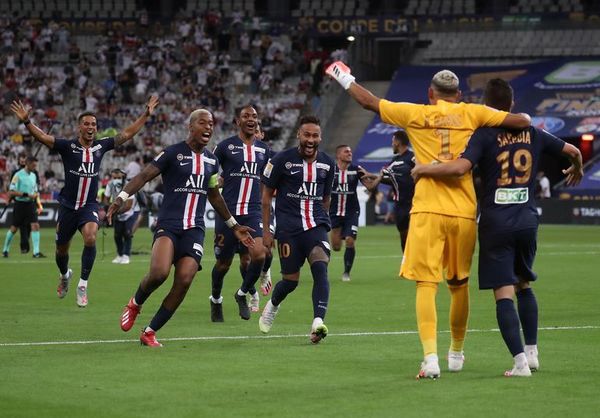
206,61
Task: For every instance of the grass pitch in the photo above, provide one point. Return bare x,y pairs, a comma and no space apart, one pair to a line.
59,360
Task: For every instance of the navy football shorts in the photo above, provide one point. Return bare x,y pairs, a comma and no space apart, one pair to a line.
295,249
226,244
70,220
187,243
504,257
348,224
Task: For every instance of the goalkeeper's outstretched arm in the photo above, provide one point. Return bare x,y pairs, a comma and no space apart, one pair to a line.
340,72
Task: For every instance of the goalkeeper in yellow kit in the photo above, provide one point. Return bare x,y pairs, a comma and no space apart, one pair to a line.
441,235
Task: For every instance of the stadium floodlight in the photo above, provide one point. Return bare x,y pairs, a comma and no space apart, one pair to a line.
587,137
350,38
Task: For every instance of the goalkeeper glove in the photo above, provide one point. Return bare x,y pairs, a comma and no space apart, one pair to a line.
340,72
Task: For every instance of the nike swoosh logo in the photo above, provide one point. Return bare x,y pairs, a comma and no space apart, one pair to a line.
294,172
184,163
198,253
235,152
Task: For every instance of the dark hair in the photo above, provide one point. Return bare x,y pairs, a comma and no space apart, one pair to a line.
402,137
498,94
339,147
31,159
86,113
238,110
309,119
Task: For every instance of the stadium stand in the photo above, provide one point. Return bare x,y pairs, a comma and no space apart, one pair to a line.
221,53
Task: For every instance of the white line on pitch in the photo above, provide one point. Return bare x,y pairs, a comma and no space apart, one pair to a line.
256,337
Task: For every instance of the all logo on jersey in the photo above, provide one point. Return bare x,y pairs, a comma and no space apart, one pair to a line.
308,189
195,181
249,167
86,168
342,188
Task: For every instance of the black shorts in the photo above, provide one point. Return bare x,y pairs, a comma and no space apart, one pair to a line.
226,244
504,257
402,215
24,213
295,249
71,220
187,243
348,224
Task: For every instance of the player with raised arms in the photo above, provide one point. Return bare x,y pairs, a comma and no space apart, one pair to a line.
78,210
508,224
442,232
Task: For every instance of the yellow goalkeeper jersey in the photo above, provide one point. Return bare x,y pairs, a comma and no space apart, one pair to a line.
440,133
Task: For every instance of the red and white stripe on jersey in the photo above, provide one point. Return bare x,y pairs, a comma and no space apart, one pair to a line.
342,200
309,175
84,182
241,207
191,202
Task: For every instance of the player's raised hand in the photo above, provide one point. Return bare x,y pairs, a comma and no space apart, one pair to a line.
20,110
242,233
151,105
574,175
340,72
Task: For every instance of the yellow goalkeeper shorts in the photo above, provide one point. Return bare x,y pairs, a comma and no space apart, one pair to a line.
437,244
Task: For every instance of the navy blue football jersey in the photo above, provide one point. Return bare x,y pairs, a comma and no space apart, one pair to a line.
186,177
301,187
82,166
508,163
241,166
344,200
398,173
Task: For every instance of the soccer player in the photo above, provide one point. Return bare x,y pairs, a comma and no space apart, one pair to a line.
23,188
303,178
190,177
508,161
126,218
78,208
441,236
397,174
265,275
242,158
344,209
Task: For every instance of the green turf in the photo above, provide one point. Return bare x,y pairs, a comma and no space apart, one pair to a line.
346,375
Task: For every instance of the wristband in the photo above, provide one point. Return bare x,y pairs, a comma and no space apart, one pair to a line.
123,195
26,122
231,222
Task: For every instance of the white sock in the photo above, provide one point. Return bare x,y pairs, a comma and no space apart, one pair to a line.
529,348
148,329
240,293
218,301
431,358
521,361
316,322
82,283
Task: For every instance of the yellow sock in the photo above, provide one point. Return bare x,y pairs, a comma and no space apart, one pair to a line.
427,316
459,315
